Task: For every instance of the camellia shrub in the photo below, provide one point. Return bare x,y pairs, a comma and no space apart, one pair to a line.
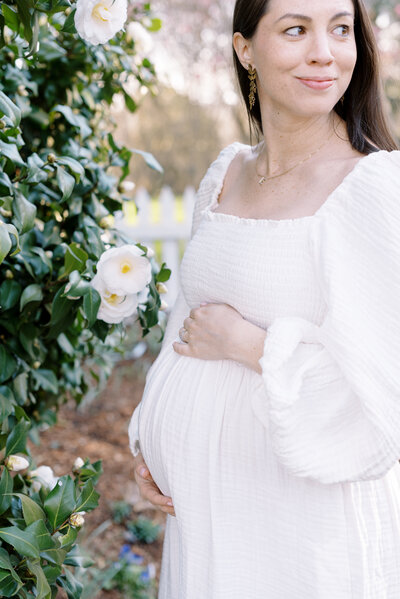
62,178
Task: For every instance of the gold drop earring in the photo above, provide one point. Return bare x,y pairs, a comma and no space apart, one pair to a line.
253,86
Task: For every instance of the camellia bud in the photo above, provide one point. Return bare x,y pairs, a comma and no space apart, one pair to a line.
76,520
15,463
104,224
78,464
9,274
36,364
163,305
2,124
21,90
161,288
51,158
126,186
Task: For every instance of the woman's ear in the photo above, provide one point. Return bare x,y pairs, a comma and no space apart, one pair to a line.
243,49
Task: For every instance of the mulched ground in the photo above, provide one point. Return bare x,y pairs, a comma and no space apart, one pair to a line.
100,431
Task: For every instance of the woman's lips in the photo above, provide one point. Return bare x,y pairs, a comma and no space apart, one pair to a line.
317,84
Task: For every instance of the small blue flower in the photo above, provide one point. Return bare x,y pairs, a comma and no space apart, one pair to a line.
145,575
131,557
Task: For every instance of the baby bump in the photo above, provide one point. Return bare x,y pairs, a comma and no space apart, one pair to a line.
189,406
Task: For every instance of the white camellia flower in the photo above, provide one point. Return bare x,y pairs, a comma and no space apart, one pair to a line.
45,476
97,21
16,463
113,308
142,38
124,270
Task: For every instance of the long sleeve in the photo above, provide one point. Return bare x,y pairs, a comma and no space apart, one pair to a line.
332,399
180,309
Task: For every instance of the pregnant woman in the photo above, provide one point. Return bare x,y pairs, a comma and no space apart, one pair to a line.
270,421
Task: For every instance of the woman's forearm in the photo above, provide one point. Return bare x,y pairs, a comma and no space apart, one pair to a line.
247,344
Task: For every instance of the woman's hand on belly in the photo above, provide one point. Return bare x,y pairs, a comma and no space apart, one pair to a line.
148,488
218,332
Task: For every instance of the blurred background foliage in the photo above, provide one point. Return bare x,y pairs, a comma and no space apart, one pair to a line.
62,178
198,109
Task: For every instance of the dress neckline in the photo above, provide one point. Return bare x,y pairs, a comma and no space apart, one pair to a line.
209,211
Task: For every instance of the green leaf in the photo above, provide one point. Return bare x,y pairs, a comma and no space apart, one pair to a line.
73,164
164,274
5,242
79,286
43,590
75,259
13,231
6,487
156,24
10,292
25,213
60,502
91,305
71,585
60,306
45,379
5,564
32,293
150,160
129,102
66,183
16,441
8,108
76,120
11,17
24,542
69,538
69,24
20,387
8,586
76,558
30,509
44,539
8,364
88,499
25,16
7,404
47,545
10,150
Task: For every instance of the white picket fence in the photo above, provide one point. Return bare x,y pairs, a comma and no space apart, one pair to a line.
146,228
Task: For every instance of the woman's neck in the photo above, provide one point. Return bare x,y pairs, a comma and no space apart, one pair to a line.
287,141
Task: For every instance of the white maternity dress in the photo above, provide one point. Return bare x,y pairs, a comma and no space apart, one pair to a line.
285,485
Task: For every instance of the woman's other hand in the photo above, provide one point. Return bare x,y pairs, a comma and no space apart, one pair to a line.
148,488
208,332
219,332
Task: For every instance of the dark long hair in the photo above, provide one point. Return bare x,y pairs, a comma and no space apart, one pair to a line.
362,108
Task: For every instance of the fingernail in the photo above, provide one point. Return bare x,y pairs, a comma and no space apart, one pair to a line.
143,471
169,503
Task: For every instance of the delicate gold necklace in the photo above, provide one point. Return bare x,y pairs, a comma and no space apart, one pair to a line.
264,178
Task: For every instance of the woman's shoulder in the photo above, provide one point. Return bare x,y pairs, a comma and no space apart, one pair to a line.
377,175
215,173
367,203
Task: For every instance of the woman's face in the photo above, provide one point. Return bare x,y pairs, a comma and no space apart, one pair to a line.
304,54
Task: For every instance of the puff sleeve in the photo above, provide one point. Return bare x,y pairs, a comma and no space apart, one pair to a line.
332,399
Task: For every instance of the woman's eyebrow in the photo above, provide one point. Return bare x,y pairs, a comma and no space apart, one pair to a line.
291,15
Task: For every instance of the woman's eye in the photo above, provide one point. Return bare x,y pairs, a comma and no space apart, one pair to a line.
344,30
295,31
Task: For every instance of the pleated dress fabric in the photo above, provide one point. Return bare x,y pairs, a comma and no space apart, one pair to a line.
285,484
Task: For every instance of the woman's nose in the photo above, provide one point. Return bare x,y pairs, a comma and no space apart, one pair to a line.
320,50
